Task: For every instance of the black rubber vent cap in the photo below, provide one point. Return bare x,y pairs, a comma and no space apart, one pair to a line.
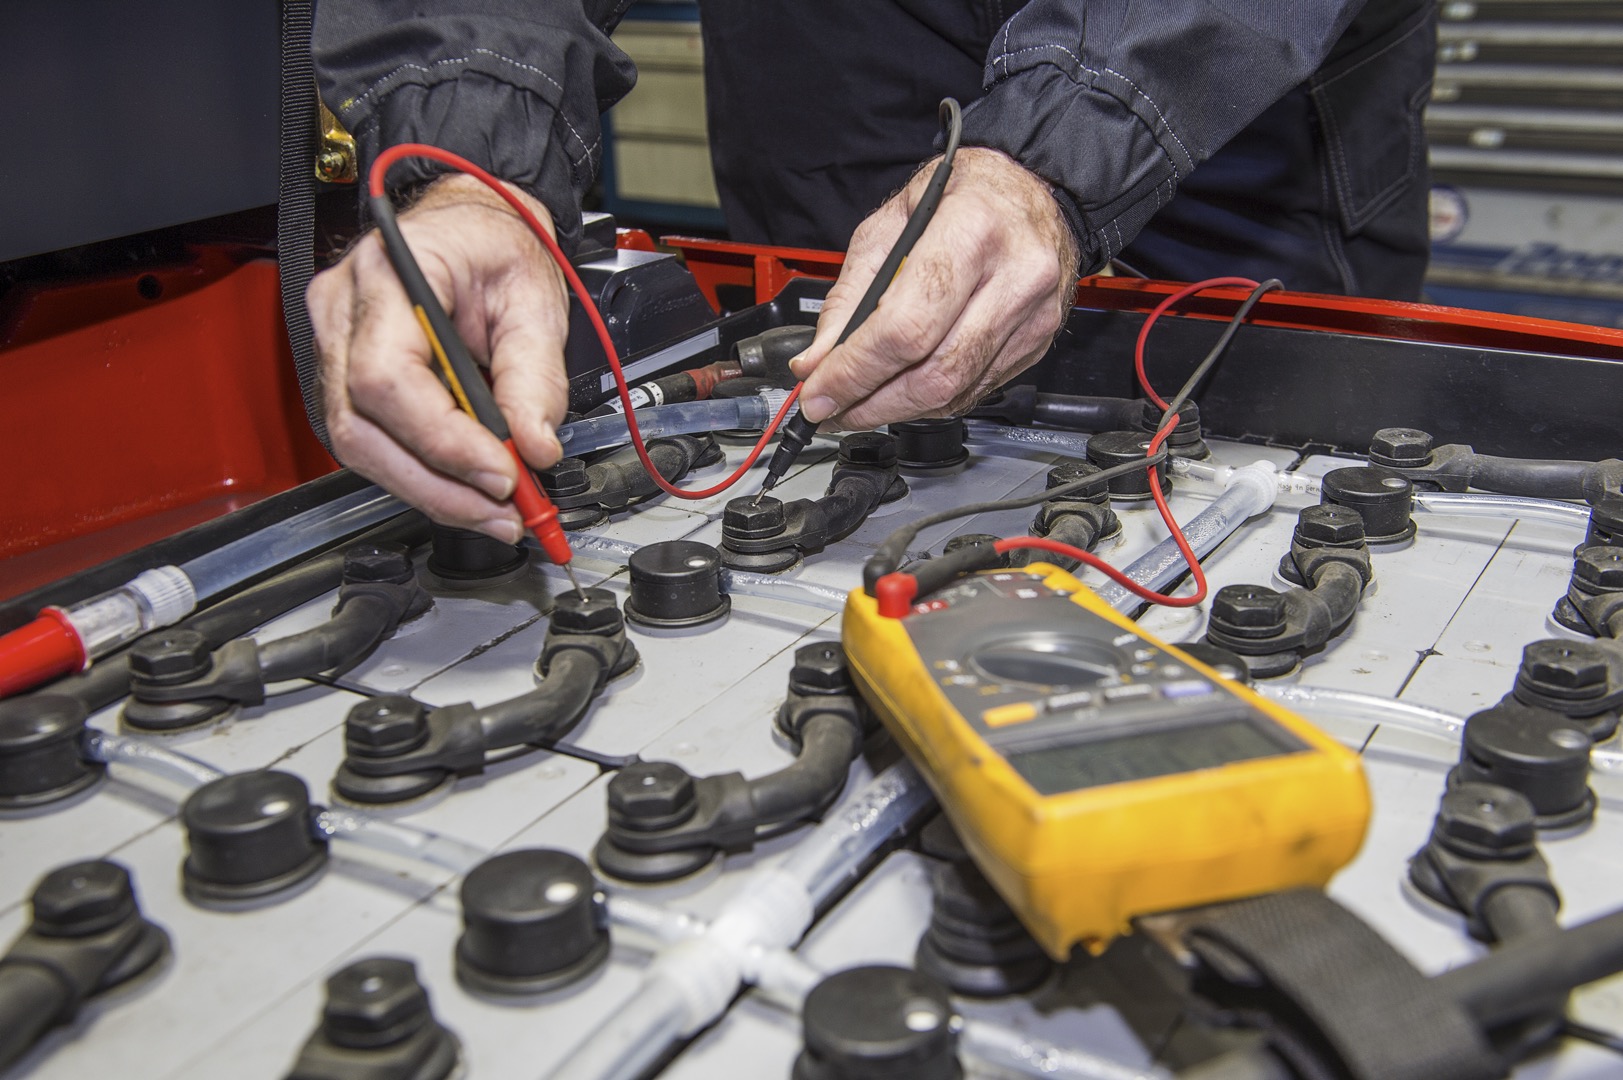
40,761
533,920
1536,752
876,1023
1385,501
676,583
249,837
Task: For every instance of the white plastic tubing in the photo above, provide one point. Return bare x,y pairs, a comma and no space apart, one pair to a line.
1250,491
690,983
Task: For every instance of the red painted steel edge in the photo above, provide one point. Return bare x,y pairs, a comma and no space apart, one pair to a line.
137,405
768,269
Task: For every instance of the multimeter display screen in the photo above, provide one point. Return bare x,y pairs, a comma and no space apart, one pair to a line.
1119,759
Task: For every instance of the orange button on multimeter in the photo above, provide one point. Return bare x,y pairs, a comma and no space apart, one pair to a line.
1095,773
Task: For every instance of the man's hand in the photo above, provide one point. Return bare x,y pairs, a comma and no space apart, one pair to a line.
390,417
978,300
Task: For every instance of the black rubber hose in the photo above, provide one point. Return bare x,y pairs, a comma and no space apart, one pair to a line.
1072,529
1327,606
1529,477
850,500
1515,981
1514,912
828,744
360,624
625,479
1081,413
31,999
549,711
108,680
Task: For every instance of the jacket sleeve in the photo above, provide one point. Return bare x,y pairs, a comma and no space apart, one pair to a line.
515,86
1114,102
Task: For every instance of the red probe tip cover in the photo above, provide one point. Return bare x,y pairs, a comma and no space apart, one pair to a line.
45,648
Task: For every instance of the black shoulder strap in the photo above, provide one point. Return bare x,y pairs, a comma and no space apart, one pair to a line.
296,203
1336,987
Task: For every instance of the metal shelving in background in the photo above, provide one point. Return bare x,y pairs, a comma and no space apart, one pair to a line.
1526,132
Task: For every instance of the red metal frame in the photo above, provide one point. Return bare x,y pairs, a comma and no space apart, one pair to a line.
768,269
139,405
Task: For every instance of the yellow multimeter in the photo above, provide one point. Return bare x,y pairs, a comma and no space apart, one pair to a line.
1095,773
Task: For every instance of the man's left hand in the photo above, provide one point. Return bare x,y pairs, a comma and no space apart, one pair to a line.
977,301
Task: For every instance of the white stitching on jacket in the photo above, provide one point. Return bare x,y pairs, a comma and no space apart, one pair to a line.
589,149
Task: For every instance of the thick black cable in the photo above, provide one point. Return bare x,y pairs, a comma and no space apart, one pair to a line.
296,204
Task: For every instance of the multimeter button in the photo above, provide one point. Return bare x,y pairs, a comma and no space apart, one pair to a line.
1129,692
1143,654
1187,688
1143,669
1077,699
1015,713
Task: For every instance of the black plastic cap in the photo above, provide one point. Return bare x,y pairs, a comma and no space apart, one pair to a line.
975,944
1538,753
820,668
1248,611
590,611
169,657
249,837
1400,448
1385,501
385,726
377,1024
40,760
676,583
868,448
467,558
532,920
928,445
1111,448
388,564
750,517
878,1023
1069,472
649,796
1606,522
83,898
1485,821
375,1002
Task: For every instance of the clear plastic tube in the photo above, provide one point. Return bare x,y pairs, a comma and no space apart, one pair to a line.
1483,504
653,921
399,838
1006,1052
287,540
602,432
585,543
171,765
827,858
1290,483
633,1037
1251,490
1068,443
792,590
1365,708
691,982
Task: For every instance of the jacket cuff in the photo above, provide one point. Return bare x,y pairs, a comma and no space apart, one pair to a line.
1110,170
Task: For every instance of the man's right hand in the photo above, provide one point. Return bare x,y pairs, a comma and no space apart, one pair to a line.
390,417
